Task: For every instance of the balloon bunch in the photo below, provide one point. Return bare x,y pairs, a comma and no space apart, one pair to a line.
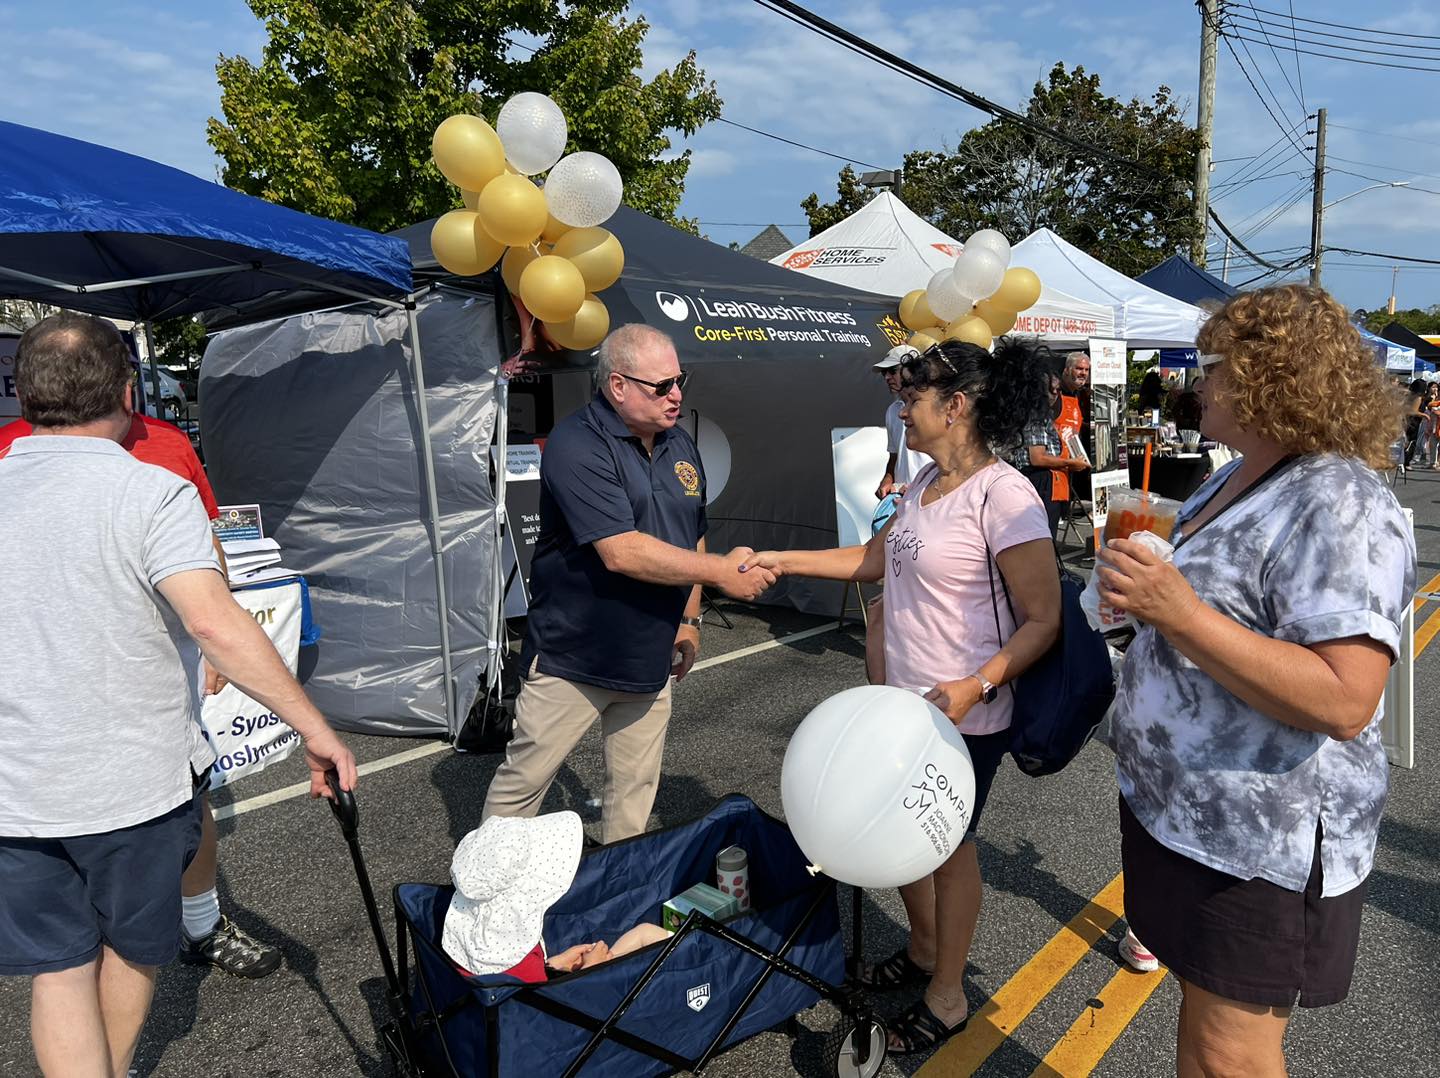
976,300
551,250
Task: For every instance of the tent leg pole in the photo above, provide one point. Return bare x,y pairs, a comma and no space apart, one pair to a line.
432,502
159,406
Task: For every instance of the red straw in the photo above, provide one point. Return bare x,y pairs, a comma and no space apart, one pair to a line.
1145,478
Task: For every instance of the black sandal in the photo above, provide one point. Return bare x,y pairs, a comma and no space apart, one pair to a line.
897,971
918,1030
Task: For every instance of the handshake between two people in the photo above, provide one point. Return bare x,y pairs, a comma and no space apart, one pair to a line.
747,575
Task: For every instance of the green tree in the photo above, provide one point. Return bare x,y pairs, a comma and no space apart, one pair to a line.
337,117
1416,320
849,197
1003,176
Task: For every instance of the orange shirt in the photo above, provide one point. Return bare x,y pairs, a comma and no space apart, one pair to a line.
1068,422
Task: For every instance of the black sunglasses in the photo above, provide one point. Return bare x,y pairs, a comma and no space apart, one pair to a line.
662,388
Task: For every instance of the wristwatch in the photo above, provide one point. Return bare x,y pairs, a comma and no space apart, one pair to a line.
695,621
988,691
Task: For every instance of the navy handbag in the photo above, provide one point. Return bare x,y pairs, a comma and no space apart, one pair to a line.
1061,699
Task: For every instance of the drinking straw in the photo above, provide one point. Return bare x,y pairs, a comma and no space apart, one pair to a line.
1145,477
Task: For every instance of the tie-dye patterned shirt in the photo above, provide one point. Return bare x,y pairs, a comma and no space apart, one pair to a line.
1320,551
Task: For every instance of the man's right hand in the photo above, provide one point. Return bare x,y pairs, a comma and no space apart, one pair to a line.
324,750
739,583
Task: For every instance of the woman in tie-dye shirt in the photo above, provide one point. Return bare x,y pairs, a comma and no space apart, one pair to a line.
1246,727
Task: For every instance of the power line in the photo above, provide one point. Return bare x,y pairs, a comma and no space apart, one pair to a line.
1278,64
1388,258
1284,129
1298,74
1393,168
1340,56
1239,243
800,145
1342,26
1346,41
1385,134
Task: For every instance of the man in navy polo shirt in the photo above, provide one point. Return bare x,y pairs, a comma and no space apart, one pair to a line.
615,585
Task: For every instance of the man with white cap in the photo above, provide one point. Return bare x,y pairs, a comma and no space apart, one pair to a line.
904,462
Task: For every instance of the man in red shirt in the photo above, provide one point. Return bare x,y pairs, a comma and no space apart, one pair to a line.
210,937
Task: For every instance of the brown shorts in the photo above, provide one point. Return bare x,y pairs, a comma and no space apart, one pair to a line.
1247,940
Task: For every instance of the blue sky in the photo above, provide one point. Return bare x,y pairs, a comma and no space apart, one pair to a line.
141,78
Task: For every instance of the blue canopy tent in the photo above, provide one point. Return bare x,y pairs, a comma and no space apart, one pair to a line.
1180,278
93,229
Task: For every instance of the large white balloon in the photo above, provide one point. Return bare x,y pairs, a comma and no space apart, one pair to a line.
988,239
584,189
945,299
978,273
877,786
533,131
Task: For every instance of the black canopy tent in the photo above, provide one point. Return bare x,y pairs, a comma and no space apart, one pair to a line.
778,360
1180,278
1395,333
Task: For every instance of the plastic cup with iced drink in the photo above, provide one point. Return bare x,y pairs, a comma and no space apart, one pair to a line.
1129,512
1132,511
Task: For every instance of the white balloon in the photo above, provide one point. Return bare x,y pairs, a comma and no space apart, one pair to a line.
584,189
877,786
533,131
978,273
945,299
989,239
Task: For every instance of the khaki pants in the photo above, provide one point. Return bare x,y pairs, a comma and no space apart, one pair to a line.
551,715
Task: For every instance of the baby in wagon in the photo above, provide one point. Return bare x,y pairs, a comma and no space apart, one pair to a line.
507,873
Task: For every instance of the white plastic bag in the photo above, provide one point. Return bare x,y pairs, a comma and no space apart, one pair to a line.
1101,615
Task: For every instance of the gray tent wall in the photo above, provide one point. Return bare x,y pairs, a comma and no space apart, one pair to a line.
316,418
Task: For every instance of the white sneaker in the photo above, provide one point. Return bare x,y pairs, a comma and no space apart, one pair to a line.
1135,954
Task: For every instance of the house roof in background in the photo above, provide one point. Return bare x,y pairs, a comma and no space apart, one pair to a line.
767,244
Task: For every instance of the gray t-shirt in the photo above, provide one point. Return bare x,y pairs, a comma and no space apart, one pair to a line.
98,701
1319,552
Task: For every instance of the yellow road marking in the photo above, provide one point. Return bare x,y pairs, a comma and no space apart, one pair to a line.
1426,633
1016,998
1079,1052
1429,587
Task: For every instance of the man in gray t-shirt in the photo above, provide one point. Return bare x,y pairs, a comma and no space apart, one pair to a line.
111,564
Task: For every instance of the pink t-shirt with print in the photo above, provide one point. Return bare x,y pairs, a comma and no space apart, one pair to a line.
939,621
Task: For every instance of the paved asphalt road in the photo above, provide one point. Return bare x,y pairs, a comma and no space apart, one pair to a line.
1048,847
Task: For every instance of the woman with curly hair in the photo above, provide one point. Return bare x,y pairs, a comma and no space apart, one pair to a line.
944,634
1246,726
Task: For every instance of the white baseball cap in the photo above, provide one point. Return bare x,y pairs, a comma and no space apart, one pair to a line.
896,356
507,873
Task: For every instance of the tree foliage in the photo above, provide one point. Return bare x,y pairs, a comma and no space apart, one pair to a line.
336,118
849,197
1003,176
1424,321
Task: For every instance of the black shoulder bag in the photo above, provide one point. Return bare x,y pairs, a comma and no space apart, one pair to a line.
1061,699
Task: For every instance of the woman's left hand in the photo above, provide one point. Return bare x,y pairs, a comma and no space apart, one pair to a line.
955,698
1138,581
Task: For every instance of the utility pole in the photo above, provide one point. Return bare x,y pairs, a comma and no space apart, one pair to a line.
1225,265
1394,276
1205,123
1317,212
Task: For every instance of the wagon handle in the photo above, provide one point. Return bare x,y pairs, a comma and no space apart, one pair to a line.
346,811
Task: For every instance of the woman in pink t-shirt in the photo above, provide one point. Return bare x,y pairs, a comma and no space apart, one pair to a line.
962,405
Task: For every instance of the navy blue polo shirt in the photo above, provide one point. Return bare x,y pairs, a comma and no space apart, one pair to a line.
588,624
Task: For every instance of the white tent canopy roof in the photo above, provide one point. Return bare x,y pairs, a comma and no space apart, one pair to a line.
1143,317
885,247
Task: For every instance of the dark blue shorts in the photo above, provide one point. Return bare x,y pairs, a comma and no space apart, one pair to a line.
986,752
61,898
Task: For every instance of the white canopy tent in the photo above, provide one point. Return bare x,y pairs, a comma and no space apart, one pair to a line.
885,247
1141,316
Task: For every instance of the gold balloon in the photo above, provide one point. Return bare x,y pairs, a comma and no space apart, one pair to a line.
597,254
468,152
461,245
552,289
1018,291
554,230
915,310
921,341
512,210
585,330
471,199
513,264
971,329
1000,319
